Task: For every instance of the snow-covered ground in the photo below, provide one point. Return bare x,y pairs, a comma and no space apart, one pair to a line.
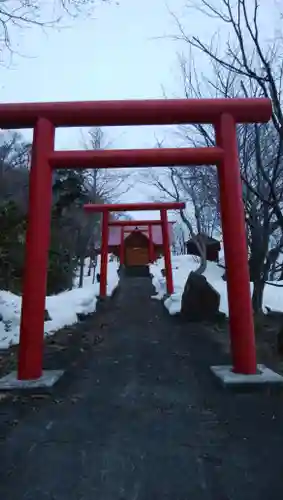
183,264
62,308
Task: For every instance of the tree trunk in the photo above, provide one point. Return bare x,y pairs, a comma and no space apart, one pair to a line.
255,268
257,297
90,267
81,279
94,268
72,266
203,265
201,246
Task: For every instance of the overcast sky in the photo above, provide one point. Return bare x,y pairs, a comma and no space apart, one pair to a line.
119,54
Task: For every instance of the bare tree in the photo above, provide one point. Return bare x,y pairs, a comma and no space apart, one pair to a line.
14,162
248,58
239,72
170,186
21,14
102,186
198,186
179,239
263,228
106,183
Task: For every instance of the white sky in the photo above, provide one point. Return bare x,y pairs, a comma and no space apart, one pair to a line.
117,55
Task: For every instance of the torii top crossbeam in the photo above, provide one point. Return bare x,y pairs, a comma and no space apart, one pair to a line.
130,207
138,223
138,112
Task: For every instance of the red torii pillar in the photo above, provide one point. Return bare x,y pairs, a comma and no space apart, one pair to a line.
129,207
235,247
151,246
122,247
104,253
37,244
166,248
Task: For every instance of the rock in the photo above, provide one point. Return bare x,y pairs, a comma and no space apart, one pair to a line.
47,316
200,301
1,317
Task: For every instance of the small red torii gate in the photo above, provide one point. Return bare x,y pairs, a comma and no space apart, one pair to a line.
139,223
130,207
223,114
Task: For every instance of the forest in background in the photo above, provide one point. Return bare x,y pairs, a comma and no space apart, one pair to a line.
74,233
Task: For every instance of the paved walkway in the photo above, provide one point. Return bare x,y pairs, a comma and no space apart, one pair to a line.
145,421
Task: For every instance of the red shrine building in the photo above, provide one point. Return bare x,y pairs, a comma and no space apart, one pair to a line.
137,242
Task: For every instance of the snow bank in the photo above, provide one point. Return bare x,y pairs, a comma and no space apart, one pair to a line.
62,308
182,265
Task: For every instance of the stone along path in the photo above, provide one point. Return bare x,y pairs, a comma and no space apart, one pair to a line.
144,420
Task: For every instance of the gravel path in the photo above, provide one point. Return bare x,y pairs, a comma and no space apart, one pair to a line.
142,419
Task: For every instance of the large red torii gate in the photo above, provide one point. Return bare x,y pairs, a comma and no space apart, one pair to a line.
223,114
130,207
